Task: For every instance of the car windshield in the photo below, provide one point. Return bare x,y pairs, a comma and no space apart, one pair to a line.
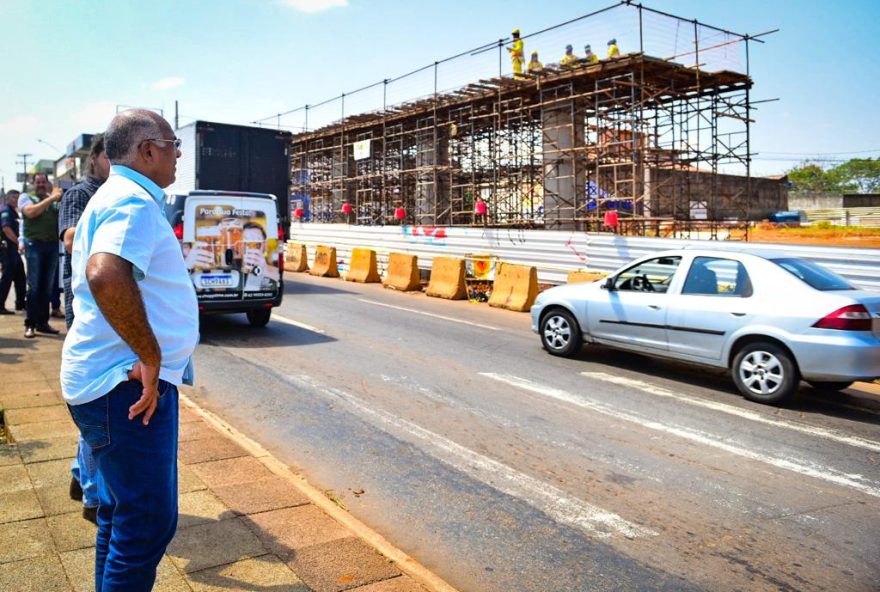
815,275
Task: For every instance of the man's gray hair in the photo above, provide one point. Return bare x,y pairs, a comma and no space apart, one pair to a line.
127,131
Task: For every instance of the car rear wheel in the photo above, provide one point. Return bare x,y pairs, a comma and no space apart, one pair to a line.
829,387
765,373
560,333
259,317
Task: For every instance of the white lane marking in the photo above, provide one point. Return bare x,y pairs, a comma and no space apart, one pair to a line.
744,413
429,314
855,481
277,317
554,502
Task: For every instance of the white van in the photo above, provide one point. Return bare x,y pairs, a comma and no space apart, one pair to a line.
232,246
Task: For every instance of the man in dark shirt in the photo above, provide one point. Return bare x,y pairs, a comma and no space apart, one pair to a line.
83,469
13,266
40,230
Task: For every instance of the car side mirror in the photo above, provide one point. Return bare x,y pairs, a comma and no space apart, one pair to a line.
608,284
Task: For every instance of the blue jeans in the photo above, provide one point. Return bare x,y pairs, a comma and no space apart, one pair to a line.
137,484
85,470
42,266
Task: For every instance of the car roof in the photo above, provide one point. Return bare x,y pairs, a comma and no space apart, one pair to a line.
722,250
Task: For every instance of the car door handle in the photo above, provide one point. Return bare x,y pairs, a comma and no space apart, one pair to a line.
738,314
653,306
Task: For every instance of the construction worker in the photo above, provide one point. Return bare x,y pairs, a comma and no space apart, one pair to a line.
535,66
590,57
613,50
517,55
569,60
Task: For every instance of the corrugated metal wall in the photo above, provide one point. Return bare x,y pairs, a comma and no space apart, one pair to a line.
555,253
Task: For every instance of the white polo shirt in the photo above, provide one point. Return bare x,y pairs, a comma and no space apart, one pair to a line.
125,218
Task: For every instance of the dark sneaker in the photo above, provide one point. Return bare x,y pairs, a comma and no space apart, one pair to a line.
56,313
49,329
29,333
91,514
76,491
4,311
19,307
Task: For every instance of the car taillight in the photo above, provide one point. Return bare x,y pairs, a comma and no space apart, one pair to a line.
178,231
280,232
854,317
281,263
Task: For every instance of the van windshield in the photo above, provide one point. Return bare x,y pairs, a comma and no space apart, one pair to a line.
813,274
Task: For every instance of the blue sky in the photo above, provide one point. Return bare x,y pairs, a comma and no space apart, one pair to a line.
68,64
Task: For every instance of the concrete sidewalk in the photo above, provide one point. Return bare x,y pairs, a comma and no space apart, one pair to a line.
246,521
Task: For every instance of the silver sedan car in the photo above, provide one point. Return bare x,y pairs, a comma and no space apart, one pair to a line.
771,319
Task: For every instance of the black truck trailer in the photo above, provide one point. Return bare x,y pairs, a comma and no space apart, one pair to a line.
227,157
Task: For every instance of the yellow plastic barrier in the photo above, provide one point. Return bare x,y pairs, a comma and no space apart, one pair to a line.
516,287
325,262
363,267
402,273
576,277
447,279
295,257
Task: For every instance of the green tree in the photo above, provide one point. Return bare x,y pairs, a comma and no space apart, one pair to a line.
860,175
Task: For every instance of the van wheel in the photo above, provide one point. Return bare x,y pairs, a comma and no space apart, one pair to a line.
259,317
765,373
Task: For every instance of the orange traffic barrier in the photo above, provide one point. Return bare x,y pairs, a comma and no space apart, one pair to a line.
325,262
576,277
447,279
516,287
363,267
295,257
402,273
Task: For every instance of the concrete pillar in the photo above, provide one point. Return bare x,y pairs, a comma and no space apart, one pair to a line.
432,184
564,165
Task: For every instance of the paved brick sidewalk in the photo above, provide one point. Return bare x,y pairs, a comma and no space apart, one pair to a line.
244,523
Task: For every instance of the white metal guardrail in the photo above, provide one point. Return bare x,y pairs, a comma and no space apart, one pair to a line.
554,253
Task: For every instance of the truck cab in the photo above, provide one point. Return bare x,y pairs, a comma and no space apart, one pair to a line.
232,244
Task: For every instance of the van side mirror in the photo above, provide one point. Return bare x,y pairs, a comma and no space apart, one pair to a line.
608,284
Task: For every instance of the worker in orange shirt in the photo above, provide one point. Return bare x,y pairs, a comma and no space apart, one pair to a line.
517,55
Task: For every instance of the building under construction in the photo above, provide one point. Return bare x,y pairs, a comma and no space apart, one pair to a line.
653,139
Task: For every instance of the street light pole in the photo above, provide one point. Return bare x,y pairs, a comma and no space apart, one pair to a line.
23,163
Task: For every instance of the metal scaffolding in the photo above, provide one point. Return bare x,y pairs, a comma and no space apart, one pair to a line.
652,139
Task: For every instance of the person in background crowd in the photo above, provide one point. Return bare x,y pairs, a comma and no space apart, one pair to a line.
13,266
569,60
535,65
613,50
40,233
83,482
129,348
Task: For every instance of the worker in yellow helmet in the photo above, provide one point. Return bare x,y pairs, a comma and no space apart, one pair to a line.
517,54
590,57
535,65
613,50
569,60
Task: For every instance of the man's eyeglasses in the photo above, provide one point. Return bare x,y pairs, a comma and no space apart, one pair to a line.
176,141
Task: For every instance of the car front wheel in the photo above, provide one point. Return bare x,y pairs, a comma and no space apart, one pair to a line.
765,373
560,333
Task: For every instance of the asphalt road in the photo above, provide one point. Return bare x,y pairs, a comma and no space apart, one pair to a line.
445,427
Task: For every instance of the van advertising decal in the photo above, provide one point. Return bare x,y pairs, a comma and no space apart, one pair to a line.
233,253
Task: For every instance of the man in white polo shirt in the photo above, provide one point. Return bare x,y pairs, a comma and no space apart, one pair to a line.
134,332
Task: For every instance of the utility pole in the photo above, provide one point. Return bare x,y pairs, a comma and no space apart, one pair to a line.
23,163
176,116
